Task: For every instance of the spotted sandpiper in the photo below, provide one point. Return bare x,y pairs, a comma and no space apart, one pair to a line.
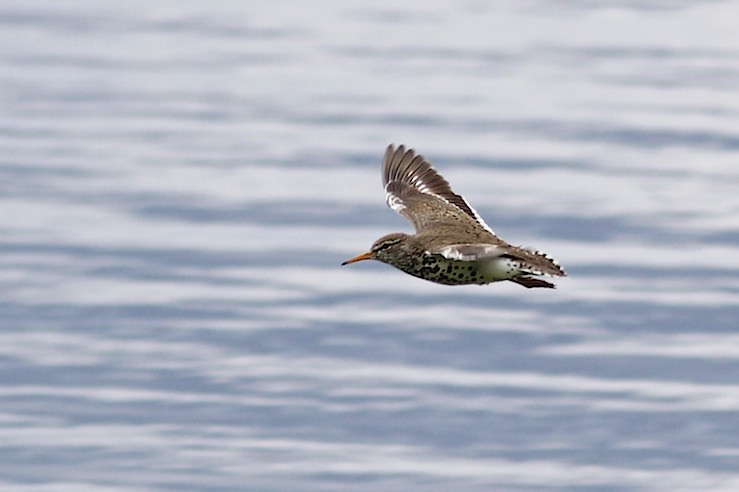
452,244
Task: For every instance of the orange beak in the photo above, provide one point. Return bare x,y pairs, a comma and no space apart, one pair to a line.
369,255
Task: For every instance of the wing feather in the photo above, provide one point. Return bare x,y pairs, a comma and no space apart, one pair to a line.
414,189
533,262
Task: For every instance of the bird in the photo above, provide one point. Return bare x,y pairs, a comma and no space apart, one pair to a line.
452,244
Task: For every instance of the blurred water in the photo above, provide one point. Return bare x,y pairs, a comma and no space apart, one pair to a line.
180,181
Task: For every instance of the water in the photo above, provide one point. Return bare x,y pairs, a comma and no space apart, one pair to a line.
181,180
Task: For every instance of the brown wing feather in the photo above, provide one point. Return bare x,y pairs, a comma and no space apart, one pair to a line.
414,188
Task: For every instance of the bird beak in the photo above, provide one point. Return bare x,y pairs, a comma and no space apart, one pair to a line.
369,255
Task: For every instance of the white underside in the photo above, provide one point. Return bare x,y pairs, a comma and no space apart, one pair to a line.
492,268
498,268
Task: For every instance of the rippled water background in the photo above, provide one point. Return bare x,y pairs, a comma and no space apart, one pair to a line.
181,180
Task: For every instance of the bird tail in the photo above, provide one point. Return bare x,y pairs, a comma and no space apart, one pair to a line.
538,263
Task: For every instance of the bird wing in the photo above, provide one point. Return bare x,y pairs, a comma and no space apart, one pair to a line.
471,251
416,191
533,262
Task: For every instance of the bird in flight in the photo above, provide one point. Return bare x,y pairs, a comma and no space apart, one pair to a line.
452,244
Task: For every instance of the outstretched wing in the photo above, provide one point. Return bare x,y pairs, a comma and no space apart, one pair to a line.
416,191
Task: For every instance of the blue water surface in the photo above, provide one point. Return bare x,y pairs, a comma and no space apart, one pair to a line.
181,180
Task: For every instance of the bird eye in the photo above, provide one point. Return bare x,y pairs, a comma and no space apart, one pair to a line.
385,245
